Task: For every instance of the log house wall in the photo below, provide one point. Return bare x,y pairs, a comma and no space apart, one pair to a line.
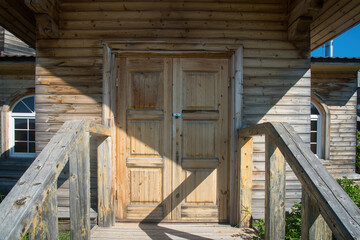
276,87
336,86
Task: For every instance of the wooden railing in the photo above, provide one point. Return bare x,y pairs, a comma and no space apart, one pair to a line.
32,203
321,193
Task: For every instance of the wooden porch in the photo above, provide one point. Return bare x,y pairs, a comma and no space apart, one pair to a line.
162,231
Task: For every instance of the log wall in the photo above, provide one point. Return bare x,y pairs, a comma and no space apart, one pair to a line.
276,87
336,86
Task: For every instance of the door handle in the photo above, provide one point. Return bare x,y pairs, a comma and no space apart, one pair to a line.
176,115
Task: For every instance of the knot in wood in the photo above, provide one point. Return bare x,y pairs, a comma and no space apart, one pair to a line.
21,201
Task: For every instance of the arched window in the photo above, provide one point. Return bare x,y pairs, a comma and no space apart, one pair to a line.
316,131
22,128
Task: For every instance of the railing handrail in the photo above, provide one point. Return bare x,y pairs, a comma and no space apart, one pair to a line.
22,204
337,208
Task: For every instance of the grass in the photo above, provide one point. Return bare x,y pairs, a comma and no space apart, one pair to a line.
62,236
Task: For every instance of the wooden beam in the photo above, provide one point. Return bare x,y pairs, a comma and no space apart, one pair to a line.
313,225
47,17
301,13
46,27
274,191
245,181
99,130
79,163
45,224
49,7
106,216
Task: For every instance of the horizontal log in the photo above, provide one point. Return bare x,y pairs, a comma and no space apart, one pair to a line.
172,24
176,33
172,6
196,15
99,130
167,44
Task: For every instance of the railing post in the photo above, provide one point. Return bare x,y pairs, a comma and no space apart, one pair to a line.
245,181
45,224
105,204
79,163
274,191
313,225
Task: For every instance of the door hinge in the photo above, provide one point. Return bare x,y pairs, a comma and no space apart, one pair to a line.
117,82
229,82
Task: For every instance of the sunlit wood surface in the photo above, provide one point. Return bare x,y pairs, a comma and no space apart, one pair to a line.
170,231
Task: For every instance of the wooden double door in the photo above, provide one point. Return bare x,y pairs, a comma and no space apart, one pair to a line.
172,138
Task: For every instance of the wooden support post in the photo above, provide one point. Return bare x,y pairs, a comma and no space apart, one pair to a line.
80,189
313,225
106,216
245,181
45,224
274,191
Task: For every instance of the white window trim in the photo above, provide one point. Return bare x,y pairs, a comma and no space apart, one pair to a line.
12,117
319,135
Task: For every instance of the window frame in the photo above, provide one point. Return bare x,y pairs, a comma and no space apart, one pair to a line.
12,117
324,112
319,131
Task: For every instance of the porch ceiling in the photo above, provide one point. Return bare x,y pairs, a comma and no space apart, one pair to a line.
334,18
16,17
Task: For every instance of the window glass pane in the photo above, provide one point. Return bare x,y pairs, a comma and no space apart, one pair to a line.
314,110
29,101
31,135
21,108
21,135
20,147
313,137
20,123
313,148
32,147
313,125
31,123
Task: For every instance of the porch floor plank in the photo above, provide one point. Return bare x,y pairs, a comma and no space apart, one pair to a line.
171,231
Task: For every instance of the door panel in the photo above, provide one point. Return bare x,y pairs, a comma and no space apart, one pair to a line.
143,138
172,168
200,146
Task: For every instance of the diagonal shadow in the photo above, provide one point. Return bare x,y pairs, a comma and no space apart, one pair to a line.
159,232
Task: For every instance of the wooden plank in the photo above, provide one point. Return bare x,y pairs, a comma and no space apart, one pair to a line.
245,181
79,163
99,130
45,224
236,106
171,6
177,33
105,203
171,24
141,15
274,191
313,225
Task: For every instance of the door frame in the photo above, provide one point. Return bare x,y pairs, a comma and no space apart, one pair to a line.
110,82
